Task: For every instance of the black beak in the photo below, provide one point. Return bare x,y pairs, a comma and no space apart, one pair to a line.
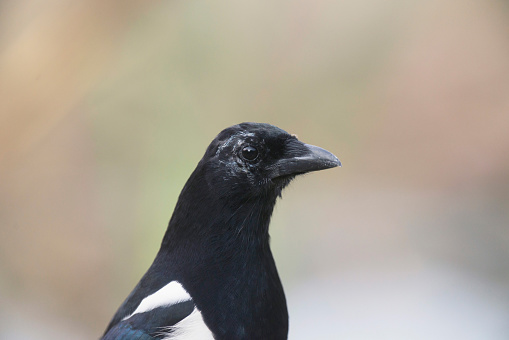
306,158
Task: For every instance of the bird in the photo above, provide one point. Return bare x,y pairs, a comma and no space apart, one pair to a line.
214,276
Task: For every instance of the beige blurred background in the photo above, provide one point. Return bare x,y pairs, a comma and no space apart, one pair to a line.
107,106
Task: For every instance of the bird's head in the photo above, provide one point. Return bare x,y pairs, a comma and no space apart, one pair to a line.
253,159
238,180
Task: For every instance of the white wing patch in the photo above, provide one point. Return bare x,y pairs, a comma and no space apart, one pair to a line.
169,295
190,328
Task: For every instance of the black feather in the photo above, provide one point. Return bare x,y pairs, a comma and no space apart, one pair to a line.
217,241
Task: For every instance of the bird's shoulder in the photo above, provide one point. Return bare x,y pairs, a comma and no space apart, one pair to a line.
168,313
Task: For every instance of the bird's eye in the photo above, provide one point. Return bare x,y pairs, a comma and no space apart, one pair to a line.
249,153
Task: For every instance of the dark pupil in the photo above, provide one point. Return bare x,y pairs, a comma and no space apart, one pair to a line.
250,153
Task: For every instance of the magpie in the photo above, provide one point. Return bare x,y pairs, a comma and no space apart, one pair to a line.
214,276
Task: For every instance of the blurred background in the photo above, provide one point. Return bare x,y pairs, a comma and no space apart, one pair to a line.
107,106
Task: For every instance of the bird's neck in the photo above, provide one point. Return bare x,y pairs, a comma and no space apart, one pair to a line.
205,213
225,260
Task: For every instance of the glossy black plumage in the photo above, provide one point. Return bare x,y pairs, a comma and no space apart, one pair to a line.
217,242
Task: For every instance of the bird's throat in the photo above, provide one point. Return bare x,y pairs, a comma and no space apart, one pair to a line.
209,216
